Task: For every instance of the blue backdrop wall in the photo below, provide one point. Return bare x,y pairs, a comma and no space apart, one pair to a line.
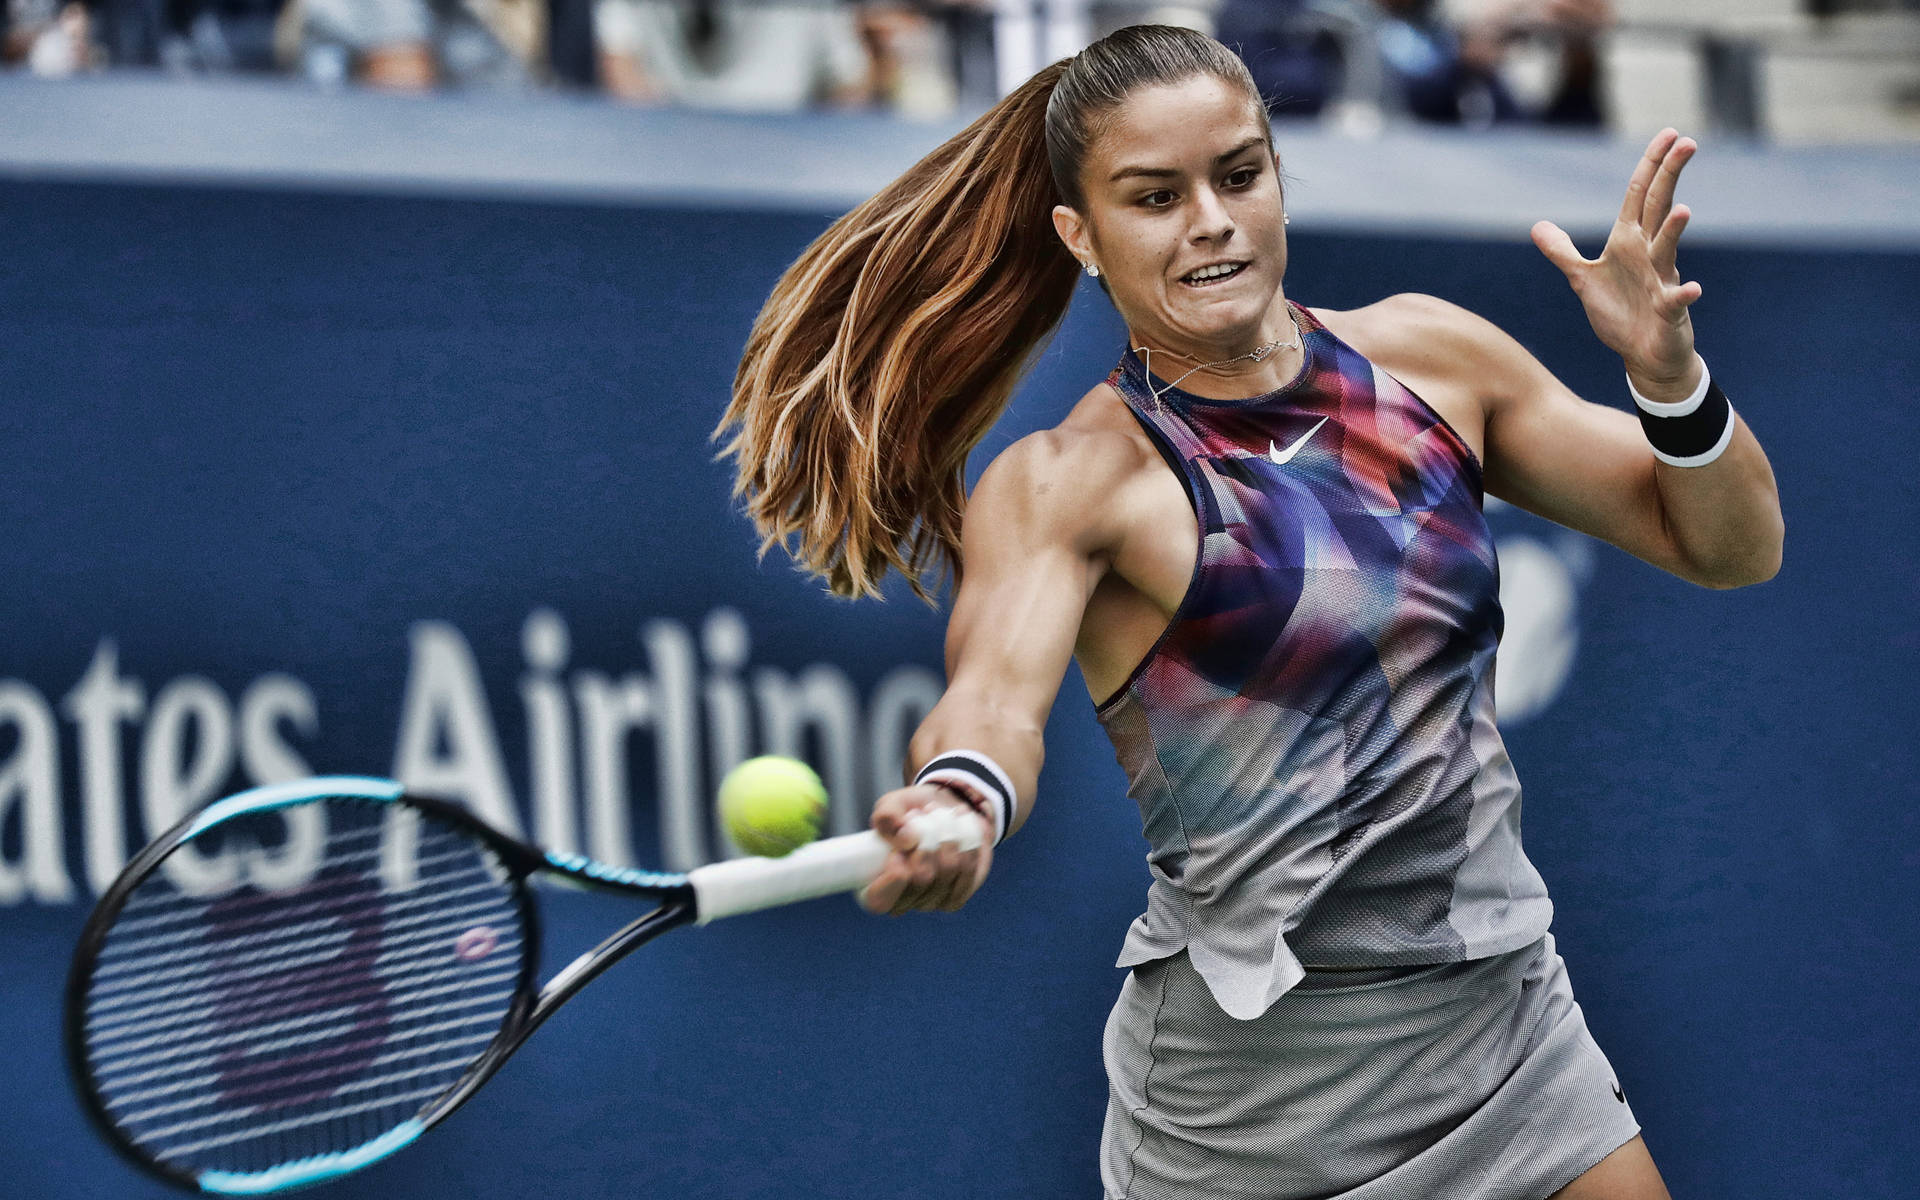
298,482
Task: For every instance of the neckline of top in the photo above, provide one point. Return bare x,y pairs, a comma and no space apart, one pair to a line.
1159,390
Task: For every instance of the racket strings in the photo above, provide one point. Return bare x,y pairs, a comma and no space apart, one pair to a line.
184,912
308,933
244,1031
171,1018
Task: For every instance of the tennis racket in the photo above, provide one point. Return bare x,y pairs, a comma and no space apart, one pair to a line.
303,978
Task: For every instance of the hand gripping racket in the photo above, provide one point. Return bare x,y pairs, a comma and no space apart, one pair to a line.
303,978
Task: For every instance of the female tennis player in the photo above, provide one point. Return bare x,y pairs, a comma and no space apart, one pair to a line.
1261,537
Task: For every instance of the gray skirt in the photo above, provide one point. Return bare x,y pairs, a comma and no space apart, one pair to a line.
1475,1080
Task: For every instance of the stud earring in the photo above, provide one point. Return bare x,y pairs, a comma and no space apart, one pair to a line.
1093,272
1285,219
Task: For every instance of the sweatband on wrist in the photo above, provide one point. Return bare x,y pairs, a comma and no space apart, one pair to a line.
972,771
1691,432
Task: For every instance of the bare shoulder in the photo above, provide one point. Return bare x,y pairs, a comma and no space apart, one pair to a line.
1063,483
1096,445
1412,334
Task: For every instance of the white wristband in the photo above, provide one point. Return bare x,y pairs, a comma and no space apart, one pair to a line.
1675,408
975,773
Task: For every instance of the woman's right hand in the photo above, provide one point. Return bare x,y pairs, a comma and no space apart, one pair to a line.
1042,525
941,879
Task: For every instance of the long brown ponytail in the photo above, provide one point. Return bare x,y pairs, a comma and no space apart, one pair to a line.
891,346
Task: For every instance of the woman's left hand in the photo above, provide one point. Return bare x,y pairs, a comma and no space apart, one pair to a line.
1633,295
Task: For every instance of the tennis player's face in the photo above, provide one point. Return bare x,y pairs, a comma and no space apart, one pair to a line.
1184,218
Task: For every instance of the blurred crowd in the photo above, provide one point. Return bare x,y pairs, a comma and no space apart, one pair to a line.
758,55
1466,62
1439,60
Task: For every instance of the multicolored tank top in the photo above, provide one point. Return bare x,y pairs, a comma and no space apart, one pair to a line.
1311,741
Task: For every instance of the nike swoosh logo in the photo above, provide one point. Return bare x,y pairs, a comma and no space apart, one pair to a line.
1283,457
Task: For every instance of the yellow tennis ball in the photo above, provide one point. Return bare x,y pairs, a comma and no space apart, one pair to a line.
772,805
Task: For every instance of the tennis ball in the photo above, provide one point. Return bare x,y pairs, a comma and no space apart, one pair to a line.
772,805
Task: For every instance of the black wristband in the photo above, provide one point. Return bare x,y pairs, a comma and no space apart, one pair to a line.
1691,432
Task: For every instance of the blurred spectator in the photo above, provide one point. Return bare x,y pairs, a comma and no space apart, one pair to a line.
912,56
47,36
1441,63
413,45
572,56
1292,47
733,55
974,70
1543,53
188,35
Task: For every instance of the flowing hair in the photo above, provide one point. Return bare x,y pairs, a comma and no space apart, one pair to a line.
895,341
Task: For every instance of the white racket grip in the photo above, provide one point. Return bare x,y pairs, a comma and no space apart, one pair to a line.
744,885
842,864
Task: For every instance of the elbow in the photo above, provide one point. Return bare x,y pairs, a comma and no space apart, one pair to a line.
1727,580
1768,566
1758,560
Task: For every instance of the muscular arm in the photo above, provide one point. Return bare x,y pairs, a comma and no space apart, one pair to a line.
1039,532
1588,466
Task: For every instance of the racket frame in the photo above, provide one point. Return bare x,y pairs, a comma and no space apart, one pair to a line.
531,1005
705,894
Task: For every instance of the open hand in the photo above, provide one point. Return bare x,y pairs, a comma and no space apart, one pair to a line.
1633,295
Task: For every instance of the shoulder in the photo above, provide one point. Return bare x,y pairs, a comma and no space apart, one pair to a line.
1063,483
1426,336
1098,443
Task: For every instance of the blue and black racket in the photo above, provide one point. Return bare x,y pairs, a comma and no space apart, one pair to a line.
304,978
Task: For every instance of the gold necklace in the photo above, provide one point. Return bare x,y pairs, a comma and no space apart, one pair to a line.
1259,353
